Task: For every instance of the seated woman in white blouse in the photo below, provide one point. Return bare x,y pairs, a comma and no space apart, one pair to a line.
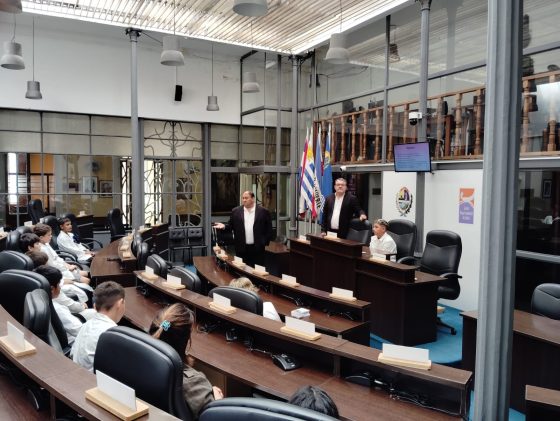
268,308
381,243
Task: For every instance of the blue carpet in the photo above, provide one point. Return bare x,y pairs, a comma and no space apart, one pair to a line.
191,268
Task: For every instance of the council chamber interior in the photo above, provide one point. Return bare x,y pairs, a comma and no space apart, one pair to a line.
116,129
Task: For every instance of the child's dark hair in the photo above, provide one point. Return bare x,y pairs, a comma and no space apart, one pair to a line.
62,220
173,325
28,240
107,294
38,258
52,274
315,398
41,229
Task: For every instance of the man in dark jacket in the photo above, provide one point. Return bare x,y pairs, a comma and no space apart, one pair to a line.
252,229
339,210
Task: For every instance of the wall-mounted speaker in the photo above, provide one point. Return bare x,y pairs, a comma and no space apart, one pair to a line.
178,92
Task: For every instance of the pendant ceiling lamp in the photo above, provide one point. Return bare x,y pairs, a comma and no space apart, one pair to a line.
10,6
171,54
337,53
12,58
250,7
212,99
250,84
33,86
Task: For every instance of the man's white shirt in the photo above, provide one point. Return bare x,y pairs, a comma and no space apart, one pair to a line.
249,221
336,212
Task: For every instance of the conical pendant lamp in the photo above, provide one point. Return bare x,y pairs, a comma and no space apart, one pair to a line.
33,86
12,58
212,99
337,53
171,54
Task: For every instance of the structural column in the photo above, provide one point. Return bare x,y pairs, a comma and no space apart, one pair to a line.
294,149
137,175
499,204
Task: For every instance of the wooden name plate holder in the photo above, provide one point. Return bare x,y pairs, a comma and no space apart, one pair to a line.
299,334
239,265
342,297
149,276
16,351
116,408
221,309
289,283
173,286
260,272
422,365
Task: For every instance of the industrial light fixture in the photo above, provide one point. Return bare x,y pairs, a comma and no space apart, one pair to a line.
171,54
12,58
33,86
250,84
212,99
250,7
394,56
337,53
10,6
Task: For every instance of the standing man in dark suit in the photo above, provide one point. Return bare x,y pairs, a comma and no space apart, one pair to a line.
339,210
252,229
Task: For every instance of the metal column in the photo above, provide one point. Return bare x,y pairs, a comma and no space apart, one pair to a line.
294,149
499,204
206,187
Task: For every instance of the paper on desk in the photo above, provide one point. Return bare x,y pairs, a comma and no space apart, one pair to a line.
174,280
260,268
116,390
342,292
289,279
15,336
221,300
149,270
237,259
28,223
300,325
331,234
82,213
141,228
1,230
406,353
302,238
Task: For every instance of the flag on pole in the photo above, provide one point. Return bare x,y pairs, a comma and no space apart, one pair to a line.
310,185
327,182
305,200
319,172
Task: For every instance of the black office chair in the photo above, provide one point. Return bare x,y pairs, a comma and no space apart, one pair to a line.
10,259
403,232
441,257
37,317
188,278
135,243
142,253
235,409
158,264
195,241
177,241
35,210
114,220
360,231
12,240
241,298
125,354
88,242
546,301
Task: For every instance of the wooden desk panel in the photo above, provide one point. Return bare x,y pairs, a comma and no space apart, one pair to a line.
535,352
542,404
15,404
104,267
301,259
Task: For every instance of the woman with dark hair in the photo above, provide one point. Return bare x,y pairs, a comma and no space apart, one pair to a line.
173,325
316,399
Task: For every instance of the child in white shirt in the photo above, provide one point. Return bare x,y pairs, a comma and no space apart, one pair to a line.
381,243
66,242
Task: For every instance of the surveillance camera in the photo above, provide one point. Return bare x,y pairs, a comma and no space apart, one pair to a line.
413,117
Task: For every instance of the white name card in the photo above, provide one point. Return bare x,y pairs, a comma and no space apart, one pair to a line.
221,300
300,325
28,223
173,280
237,260
341,292
331,234
141,228
42,220
302,237
259,268
289,279
116,390
15,336
1,230
82,213
406,353
149,270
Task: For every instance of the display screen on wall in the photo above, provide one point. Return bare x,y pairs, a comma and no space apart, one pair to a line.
412,157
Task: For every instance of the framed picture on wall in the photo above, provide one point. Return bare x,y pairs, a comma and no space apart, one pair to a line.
106,188
89,184
546,188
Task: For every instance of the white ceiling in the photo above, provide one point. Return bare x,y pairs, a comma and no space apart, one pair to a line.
290,27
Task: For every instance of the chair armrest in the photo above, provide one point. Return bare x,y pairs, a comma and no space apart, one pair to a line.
407,260
88,241
451,275
67,255
117,237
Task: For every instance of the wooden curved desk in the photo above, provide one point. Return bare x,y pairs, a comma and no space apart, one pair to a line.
108,265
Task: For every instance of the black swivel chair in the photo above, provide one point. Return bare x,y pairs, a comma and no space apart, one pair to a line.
546,301
403,232
241,298
142,253
158,264
360,231
36,211
10,259
195,241
441,257
114,219
188,278
235,409
12,240
37,317
135,243
125,354
177,241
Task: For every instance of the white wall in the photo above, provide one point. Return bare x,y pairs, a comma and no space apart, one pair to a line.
85,68
442,212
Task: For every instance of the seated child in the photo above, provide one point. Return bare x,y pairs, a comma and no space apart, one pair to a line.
66,242
268,308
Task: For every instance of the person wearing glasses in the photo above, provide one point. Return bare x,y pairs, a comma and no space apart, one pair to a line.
340,207
381,243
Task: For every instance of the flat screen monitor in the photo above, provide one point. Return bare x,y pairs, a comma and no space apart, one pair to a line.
412,157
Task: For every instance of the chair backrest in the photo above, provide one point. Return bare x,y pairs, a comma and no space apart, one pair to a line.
158,264
125,354
234,409
442,252
546,301
142,253
177,235
188,278
403,232
35,209
136,241
359,231
241,298
37,317
75,228
14,285
195,235
10,259
12,241
114,219
24,229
